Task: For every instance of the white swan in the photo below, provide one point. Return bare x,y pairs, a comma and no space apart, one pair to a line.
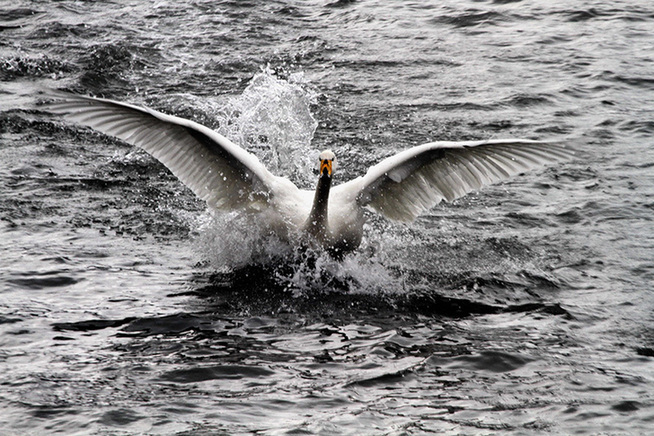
229,178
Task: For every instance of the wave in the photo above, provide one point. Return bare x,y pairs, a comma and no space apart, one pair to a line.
17,67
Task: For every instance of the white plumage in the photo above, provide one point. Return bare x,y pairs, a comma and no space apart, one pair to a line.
227,177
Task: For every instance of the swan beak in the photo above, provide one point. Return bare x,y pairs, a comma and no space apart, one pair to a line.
326,167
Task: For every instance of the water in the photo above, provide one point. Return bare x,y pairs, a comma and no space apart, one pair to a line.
127,308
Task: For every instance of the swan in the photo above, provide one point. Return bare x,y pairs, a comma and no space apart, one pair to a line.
229,178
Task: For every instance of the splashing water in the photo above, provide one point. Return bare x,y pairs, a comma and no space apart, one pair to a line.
272,119
514,314
236,241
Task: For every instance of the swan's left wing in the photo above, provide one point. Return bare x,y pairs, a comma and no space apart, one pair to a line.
218,171
403,186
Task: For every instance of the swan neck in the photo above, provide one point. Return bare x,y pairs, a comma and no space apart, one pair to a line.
318,216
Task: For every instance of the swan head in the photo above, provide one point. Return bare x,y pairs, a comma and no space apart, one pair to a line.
327,165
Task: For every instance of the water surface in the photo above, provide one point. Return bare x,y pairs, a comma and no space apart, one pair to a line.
128,308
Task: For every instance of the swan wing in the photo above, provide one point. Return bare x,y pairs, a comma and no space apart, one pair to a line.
403,186
218,171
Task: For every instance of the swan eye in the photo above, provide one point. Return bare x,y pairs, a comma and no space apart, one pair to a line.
319,163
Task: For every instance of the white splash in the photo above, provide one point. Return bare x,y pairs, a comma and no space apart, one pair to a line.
230,241
272,119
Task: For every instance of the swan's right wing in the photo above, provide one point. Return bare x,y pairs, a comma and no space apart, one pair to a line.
403,186
215,169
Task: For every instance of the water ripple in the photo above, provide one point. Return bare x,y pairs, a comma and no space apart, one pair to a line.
522,309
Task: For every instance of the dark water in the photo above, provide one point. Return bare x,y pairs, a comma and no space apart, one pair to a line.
127,308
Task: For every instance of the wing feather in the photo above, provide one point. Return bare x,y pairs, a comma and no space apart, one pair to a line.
214,168
405,185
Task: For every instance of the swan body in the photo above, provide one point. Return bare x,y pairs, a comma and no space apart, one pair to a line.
229,178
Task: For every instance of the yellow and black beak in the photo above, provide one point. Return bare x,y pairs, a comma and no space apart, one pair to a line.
326,167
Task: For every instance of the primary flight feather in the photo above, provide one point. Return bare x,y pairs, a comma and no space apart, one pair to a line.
227,177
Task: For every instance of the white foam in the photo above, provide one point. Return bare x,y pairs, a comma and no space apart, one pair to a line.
272,119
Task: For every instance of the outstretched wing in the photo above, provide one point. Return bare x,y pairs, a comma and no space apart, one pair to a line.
214,168
403,186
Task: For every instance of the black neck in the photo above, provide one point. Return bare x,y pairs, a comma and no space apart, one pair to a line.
317,221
